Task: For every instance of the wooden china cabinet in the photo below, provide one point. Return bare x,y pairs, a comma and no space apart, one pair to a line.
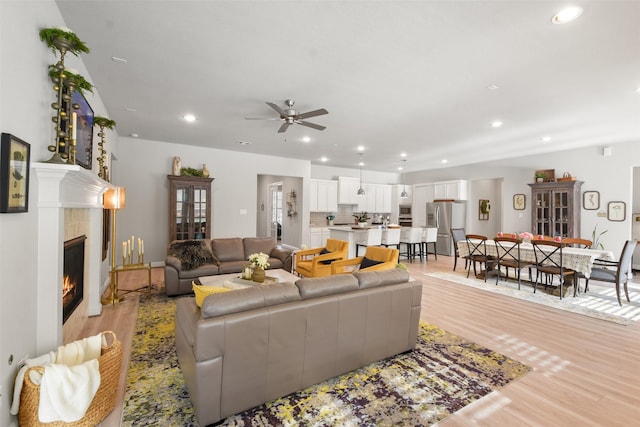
555,208
189,207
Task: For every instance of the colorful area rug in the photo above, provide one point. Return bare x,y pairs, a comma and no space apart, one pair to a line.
600,302
443,374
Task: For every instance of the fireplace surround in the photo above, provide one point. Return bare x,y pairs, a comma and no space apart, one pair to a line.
59,187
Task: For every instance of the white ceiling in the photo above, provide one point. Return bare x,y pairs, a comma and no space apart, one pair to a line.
395,76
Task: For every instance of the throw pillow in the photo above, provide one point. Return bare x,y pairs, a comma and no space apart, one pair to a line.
192,253
366,262
202,292
323,252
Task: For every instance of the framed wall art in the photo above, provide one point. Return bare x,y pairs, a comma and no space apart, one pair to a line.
84,130
14,174
591,200
519,202
616,211
484,206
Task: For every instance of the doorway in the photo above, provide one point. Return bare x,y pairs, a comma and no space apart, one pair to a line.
275,210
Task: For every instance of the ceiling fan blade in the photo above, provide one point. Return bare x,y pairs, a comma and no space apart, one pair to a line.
313,113
311,125
275,107
284,127
262,118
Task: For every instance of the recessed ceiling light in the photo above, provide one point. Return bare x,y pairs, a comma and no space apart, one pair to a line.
243,143
360,148
492,87
403,154
400,168
132,110
361,164
134,135
323,159
567,14
638,90
119,60
306,139
444,161
545,139
496,124
189,118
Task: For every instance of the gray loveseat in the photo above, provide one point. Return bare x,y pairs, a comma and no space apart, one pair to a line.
249,346
218,256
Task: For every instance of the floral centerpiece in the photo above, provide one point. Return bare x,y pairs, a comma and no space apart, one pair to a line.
259,261
526,236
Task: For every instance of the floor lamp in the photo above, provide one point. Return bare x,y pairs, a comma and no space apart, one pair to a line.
113,199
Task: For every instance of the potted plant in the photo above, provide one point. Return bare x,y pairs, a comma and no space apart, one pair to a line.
540,177
361,219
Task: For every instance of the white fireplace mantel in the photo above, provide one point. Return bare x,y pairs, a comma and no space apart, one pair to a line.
63,186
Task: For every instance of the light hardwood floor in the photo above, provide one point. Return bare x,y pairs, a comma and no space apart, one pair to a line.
585,371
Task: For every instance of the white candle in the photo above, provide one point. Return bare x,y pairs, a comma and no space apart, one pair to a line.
74,125
142,247
124,249
139,246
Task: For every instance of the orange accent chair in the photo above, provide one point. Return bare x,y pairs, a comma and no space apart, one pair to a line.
317,262
375,258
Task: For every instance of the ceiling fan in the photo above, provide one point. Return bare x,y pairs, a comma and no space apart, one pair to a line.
290,116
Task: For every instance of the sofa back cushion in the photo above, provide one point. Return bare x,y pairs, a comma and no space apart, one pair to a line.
254,245
371,279
192,253
250,298
314,287
229,249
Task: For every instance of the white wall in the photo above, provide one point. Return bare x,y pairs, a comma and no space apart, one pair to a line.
25,111
143,167
612,176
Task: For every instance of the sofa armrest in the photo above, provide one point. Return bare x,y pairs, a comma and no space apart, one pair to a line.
281,253
174,262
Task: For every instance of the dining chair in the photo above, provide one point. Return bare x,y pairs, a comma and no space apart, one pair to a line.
478,254
368,237
508,256
549,261
429,236
617,272
577,242
457,235
411,237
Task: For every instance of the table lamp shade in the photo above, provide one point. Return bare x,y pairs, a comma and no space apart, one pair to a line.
114,198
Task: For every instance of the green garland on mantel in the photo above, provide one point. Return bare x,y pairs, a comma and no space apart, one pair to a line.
81,83
104,122
49,36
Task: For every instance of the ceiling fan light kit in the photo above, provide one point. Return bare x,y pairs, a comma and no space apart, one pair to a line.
289,116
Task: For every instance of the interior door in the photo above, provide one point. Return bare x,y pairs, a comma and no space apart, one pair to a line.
275,210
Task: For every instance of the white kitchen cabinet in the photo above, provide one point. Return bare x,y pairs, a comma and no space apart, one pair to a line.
383,198
323,195
348,191
422,193
454,190
318,237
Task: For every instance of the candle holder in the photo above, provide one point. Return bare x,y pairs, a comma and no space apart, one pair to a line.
103,123
62,40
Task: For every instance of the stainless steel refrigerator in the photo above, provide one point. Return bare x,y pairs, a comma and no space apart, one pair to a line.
445,216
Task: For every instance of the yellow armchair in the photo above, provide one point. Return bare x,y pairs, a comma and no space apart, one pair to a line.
313,263
385,258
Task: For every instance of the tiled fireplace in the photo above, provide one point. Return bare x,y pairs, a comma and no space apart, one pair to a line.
69,205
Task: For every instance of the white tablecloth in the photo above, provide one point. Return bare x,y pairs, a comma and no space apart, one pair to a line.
580,260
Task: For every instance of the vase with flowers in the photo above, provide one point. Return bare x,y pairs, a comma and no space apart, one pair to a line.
526,236
259,262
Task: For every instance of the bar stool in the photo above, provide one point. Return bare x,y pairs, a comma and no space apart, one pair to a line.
391,237
368,237
430,235
412,238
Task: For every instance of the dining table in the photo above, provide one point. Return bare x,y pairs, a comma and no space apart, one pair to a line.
577,259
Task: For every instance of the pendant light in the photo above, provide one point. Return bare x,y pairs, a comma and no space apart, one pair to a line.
404,193
360,190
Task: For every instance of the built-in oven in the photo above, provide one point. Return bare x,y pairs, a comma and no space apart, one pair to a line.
404,216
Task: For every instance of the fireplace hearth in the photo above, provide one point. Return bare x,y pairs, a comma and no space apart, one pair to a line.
73,279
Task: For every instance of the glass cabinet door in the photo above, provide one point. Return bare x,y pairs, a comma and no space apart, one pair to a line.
543,207
189,208
200,213
183,213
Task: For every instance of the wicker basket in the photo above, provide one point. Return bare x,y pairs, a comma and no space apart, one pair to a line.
103,402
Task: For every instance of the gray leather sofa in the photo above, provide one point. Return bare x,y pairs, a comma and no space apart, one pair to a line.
249,346
230,255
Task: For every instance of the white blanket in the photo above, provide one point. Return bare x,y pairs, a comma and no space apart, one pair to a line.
67,391
74,353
